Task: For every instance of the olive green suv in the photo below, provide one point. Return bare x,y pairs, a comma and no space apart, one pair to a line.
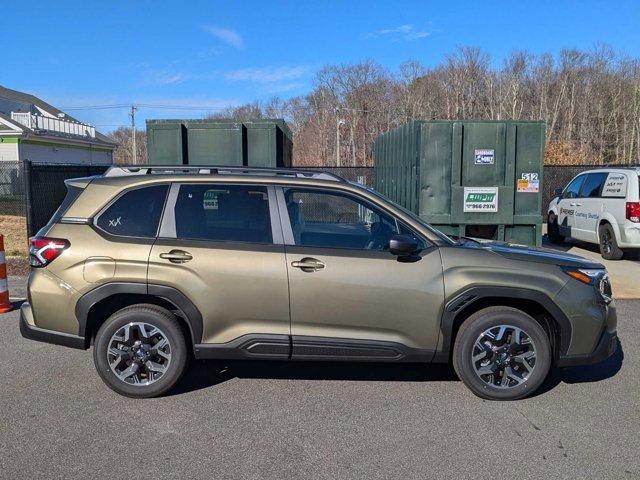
155,265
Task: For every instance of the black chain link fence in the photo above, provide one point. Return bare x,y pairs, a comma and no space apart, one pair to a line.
45,189
37,189
12,197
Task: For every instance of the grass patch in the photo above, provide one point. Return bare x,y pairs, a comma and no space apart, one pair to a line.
14,229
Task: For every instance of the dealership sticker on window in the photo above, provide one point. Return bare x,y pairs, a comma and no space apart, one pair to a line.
480,199
529,183
484,156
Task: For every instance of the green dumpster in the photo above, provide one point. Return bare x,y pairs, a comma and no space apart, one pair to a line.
215,142
255,143
467,178
166,142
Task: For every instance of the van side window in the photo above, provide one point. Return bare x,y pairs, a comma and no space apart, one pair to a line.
573,189
593,185
136,213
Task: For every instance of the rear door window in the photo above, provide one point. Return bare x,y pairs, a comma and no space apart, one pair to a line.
135,213
231,213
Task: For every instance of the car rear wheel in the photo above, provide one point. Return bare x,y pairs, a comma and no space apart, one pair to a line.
553,231
608,245
502,353
140,351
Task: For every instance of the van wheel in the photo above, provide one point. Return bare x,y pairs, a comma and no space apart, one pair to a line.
140,351
502,353
608,245
553,231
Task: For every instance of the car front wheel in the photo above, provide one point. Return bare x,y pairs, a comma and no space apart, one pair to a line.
502,353
140,351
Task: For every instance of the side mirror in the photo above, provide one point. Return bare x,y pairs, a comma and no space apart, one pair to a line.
402,245
557,192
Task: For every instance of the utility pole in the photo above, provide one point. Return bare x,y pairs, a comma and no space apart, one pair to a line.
134,156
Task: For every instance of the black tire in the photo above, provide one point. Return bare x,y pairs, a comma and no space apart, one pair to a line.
553,231
483,320
608,244
154,316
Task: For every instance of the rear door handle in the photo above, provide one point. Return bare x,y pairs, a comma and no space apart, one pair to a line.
308,264
177,256
575,204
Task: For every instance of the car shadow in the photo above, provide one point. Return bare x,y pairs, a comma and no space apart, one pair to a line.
208,373
584,374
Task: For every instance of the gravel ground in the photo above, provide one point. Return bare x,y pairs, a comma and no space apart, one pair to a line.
298,420
17,266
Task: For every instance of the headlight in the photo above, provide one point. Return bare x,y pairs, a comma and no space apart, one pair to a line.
597,277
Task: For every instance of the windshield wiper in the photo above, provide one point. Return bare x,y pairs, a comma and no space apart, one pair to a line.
463,240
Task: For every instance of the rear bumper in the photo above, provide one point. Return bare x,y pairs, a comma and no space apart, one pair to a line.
607,346
629,235
30,331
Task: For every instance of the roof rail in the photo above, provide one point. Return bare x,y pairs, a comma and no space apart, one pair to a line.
126,170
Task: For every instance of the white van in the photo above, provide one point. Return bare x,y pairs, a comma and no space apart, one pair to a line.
598,206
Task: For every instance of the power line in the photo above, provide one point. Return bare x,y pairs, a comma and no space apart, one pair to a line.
96,107
201,107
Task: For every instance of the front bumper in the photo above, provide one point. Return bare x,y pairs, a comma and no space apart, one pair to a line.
607,346
30,331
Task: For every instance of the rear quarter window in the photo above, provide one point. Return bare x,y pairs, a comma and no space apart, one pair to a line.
615,186
135,213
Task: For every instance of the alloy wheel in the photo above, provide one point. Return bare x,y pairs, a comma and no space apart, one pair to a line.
504,356
139,353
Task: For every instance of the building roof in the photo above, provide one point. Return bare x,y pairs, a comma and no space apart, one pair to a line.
20,102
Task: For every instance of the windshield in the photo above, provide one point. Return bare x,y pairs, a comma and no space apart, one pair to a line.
408,213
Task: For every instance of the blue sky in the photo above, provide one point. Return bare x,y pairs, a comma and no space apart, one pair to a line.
217,54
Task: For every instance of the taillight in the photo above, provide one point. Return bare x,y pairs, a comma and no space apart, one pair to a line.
44,250
633,211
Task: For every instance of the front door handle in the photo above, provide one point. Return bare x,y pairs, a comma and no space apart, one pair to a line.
575,204
308,264
177,256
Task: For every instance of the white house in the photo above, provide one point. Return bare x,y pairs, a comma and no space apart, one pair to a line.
31,129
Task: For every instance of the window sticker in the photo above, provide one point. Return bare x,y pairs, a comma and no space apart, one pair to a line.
480,199
615,185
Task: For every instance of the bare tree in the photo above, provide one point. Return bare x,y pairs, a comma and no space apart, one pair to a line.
122,154
590,101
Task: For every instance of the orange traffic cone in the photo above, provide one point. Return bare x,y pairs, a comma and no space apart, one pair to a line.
5,304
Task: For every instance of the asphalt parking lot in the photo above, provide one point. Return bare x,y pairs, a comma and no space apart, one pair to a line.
279,420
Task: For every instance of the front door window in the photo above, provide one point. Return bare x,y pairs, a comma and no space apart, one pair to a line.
333,220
